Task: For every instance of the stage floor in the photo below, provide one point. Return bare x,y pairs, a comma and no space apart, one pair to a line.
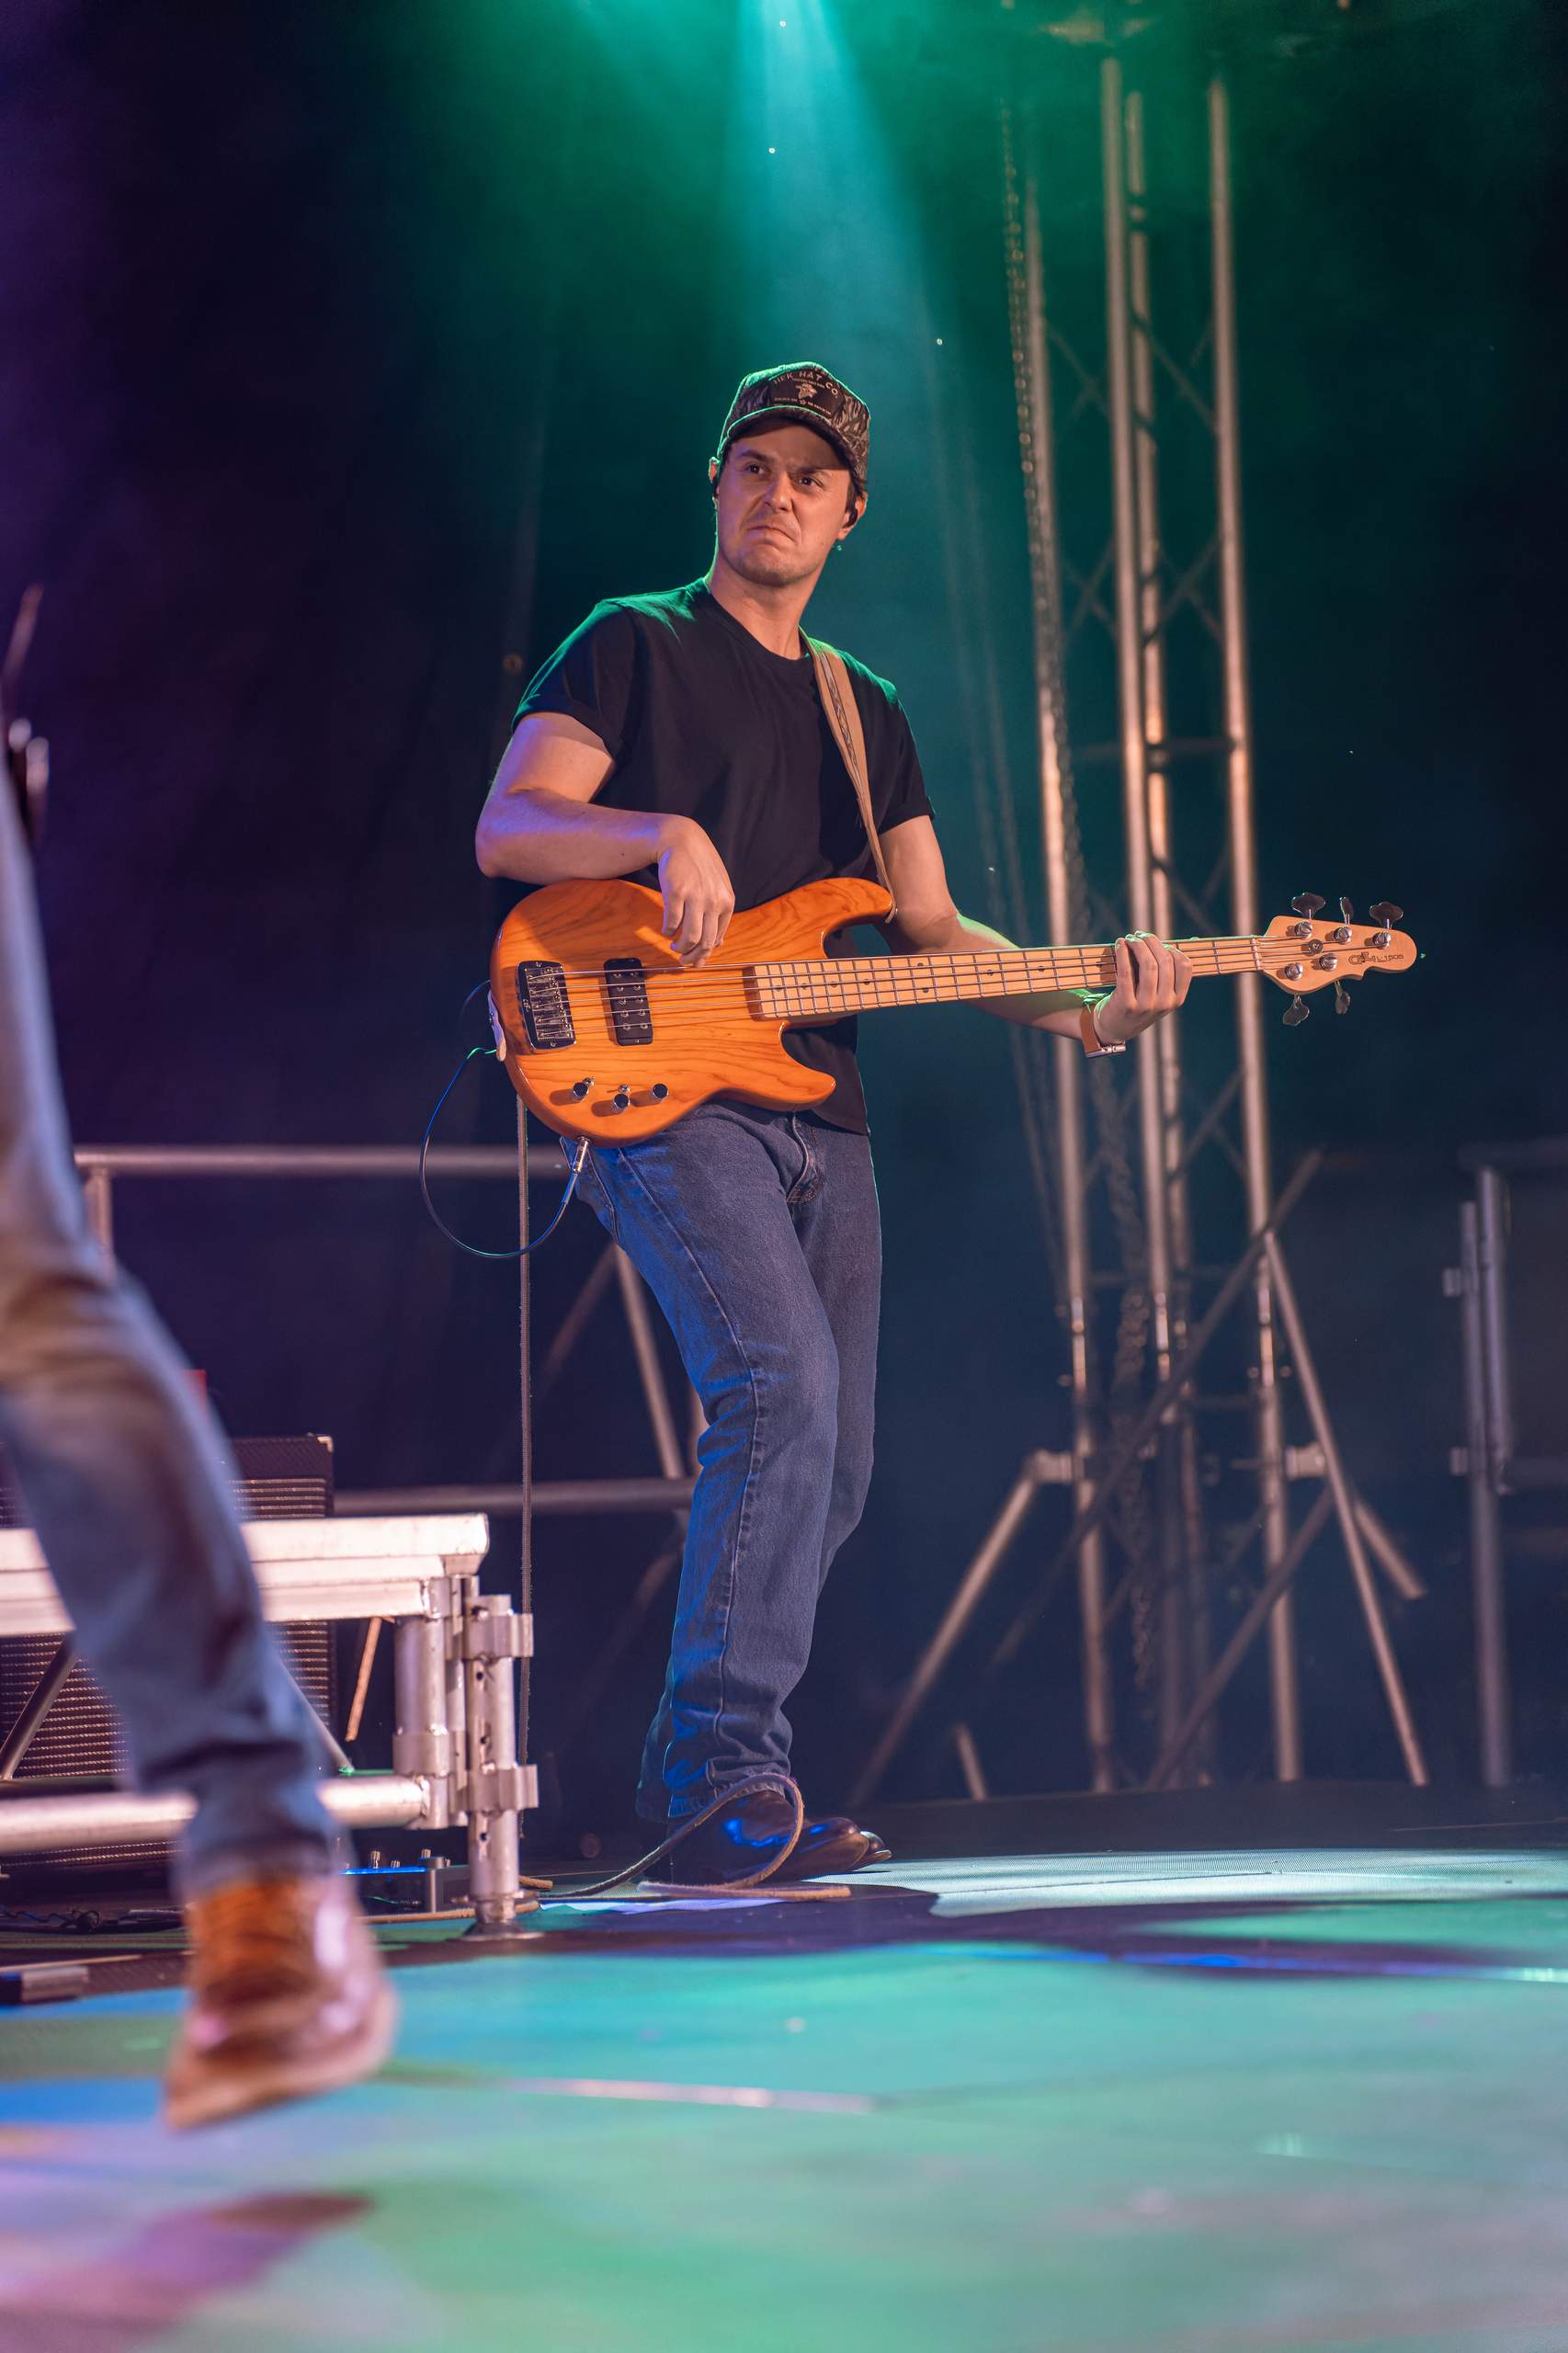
1197,2102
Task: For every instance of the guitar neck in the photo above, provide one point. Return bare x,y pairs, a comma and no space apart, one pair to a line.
860,984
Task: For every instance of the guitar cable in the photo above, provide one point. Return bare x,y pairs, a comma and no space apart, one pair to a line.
574,1892
689,1823
632,1872
534,1241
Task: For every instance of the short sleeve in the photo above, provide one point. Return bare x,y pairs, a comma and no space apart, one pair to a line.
591,677
905,794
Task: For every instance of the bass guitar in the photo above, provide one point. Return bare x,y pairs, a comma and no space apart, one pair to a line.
605,1034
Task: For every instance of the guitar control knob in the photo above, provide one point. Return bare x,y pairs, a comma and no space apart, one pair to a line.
622,1101
580,1088
659,1091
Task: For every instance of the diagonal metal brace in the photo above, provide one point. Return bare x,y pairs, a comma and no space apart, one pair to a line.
1108,1474
1033,1475
1208,1696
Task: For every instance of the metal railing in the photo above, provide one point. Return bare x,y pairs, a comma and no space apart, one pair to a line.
102,1166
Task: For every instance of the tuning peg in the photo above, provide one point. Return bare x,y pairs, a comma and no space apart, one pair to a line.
1385,913
1341,997
1342,934
1297,1010
1307,904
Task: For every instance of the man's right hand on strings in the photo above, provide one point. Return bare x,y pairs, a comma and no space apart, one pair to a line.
698,896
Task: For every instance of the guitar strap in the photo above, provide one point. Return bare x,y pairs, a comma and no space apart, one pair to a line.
844,717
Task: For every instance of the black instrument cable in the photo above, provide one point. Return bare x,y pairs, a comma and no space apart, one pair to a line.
758,1782
630,1873
678,1838
534,1241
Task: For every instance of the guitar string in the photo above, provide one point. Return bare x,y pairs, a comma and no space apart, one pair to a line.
777,993
826,988
773,994
821,1011
1092,950
889,973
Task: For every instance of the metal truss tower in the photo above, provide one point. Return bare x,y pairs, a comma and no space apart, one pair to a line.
1127,391
1168,381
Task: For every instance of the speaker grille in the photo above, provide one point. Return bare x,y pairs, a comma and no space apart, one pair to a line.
280,1478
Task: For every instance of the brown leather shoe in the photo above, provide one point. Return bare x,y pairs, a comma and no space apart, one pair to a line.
288,1997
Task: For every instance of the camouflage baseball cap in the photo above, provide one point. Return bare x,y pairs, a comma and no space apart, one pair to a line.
812,396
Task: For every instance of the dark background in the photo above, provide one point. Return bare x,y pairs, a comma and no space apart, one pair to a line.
348,354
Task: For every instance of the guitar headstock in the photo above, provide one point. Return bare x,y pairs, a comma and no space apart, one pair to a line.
1299,952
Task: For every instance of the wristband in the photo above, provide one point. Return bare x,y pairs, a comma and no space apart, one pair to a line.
1093,1042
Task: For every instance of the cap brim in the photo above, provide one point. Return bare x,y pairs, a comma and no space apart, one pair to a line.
796,416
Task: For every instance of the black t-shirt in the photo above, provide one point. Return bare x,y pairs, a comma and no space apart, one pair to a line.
704,723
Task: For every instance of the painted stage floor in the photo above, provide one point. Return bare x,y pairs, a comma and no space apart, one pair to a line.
1099,2104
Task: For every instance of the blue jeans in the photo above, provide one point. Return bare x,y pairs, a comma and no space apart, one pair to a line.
759,1235
126,1480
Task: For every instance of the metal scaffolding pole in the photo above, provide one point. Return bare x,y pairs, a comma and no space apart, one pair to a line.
1284,1686
1152,636
1064,914
1136,865
1487,1420
1140,666
1184,1548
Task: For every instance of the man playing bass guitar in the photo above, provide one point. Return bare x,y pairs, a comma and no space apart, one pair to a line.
678,738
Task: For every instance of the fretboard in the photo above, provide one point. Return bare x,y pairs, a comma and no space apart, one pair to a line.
860,983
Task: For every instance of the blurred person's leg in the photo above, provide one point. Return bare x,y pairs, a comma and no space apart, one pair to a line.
127,1483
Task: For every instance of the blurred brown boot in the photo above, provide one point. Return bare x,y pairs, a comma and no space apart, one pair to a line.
288,1997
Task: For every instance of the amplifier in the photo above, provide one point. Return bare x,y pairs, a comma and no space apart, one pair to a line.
280,1478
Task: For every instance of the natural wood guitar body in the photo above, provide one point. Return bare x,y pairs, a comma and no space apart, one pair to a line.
714,1031
606,1036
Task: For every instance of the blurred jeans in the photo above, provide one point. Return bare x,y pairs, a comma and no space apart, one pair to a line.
757,1232
127,1482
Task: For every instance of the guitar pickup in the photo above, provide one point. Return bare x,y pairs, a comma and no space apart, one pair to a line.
544,1006
627,990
